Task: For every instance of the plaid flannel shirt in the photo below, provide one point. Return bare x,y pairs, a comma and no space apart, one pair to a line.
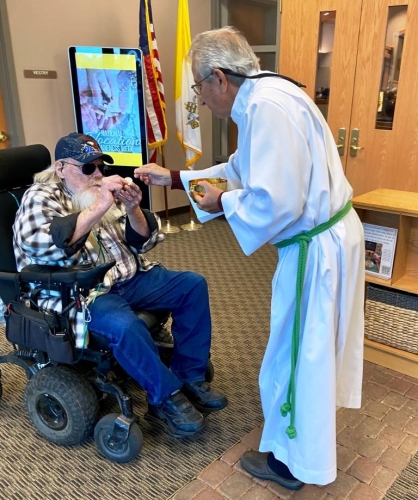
38,239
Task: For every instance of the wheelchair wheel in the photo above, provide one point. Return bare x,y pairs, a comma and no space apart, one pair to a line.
123,452
62,405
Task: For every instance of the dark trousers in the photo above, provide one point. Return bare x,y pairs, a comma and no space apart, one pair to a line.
185,294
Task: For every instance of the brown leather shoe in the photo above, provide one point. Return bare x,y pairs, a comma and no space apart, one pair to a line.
255,463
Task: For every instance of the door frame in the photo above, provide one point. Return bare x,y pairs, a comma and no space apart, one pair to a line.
220,17
8,83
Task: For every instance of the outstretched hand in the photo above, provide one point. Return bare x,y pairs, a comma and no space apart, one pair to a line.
153,174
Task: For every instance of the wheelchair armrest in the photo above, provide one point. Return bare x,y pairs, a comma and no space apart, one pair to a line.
55,275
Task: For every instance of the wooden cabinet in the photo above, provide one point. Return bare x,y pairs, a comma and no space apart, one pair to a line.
396,209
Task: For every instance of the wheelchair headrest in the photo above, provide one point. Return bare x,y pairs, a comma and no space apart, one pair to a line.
18,165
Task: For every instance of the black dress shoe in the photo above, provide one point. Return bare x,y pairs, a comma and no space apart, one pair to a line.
204,398
176,415
256,463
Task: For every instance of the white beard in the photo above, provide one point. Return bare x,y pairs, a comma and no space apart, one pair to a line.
84,199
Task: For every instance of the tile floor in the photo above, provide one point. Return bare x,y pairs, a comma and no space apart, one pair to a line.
374,444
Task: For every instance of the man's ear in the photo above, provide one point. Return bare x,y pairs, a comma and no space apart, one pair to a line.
59,166
222,79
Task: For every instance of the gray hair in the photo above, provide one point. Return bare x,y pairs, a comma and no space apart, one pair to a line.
223,48
47,176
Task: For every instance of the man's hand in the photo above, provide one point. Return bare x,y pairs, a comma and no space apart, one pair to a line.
103,103
89,117
103,86
105,191
130,195
207,201
110,188
153,174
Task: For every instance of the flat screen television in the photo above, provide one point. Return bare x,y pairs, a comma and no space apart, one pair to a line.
109,104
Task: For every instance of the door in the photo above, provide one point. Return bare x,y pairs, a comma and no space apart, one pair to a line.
356,75
4,142
390,157
300,51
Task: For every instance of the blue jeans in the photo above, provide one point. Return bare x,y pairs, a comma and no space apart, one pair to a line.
185,294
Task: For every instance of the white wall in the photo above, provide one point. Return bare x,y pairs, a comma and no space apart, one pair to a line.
41,32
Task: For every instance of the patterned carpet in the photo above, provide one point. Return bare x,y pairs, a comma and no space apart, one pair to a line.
239,288
32,468
406,486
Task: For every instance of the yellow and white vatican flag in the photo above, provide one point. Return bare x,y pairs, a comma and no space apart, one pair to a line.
187,111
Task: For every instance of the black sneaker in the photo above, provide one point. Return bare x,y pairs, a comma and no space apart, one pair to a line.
176,415
204,398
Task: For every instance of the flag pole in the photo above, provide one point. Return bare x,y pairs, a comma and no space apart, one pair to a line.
191,225
187,108
154,93
168,228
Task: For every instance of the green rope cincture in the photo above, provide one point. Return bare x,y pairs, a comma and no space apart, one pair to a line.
302,240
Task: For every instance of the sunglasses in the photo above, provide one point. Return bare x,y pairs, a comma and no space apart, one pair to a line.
90,168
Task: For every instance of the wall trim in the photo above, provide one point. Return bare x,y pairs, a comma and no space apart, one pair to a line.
8,83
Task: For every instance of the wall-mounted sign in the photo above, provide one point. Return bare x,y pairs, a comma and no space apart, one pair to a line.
40,73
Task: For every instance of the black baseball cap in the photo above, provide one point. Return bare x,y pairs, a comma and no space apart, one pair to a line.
80,147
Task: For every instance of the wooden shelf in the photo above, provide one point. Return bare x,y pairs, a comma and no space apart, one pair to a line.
378,281
389,200
395,359
406,283
395,209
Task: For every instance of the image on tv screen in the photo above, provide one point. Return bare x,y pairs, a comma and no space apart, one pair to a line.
108,96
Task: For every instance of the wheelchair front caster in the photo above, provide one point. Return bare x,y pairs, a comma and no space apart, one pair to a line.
118,444
62,405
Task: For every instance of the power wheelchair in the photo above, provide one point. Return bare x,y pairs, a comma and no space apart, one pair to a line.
65,384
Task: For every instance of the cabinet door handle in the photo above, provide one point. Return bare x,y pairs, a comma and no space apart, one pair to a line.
354,147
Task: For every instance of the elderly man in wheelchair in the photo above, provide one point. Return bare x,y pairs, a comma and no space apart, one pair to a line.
76,219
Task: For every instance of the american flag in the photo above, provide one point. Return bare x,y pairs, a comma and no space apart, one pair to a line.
153,81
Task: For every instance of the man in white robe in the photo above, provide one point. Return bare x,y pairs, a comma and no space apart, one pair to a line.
284,180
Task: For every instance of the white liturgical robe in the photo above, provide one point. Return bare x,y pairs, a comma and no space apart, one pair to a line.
286,178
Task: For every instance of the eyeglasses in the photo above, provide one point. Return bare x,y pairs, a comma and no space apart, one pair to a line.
197,87
90,168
